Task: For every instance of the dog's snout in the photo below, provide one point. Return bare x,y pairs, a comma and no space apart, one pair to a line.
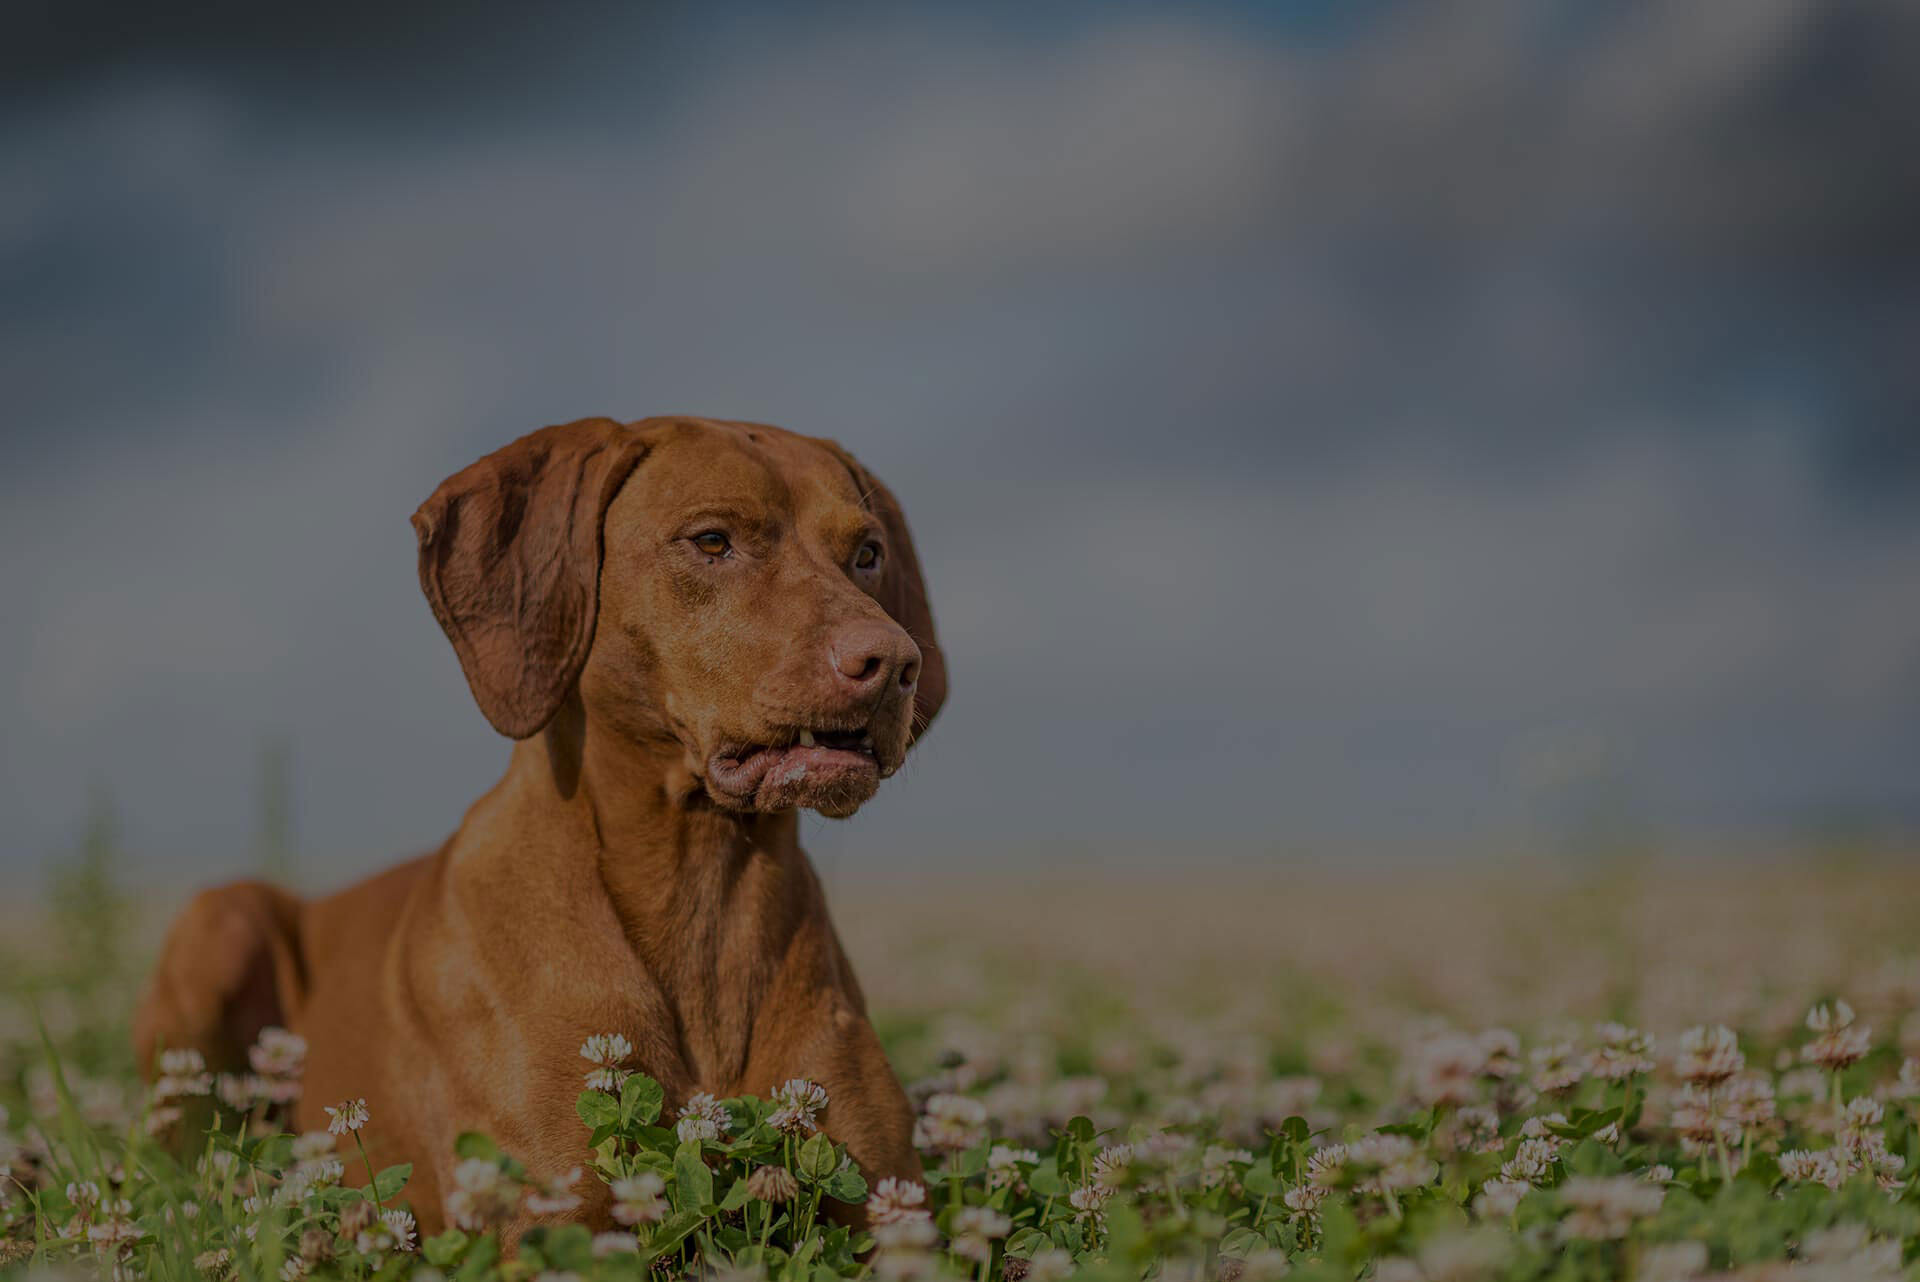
865,656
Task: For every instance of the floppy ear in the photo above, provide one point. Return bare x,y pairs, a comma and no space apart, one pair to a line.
510,562
903,590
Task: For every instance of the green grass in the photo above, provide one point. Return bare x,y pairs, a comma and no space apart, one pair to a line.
1232,1075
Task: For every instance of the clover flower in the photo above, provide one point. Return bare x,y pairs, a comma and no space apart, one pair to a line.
1804,1166
1327,1166
606,1245
975,1228
607,1052
278,1053
1499,1054
1748,1101
1217,1163
1709,1055
1109,1166
482,1196
1499,1198
702,1117
950,1124
1623,1052
1672,1262
1839,1042
394,1231
797,1104
1392,1162
349,1115
1697,1119
554,1195
183,1073
1305,1199
906,1234
640,1199
310,1145
1605,1207
1004,1165
1447,1071
1531,1163
894,1200
774,1184
1556,1067
1050,1264
1089,1201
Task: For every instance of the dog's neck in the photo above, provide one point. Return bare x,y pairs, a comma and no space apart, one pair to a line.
709,903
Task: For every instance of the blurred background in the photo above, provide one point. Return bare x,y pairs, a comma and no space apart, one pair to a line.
1330,429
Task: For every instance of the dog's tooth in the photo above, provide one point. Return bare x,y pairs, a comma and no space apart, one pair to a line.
806,738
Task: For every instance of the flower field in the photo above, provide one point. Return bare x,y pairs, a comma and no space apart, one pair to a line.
1404,1072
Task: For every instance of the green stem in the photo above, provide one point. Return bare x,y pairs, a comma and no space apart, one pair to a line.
373,1181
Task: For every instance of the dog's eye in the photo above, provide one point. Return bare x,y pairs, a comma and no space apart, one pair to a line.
867,557
713,543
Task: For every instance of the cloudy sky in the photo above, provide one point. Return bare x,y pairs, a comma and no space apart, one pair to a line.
1323,424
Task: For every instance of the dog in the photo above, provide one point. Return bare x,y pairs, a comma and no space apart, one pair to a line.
692,629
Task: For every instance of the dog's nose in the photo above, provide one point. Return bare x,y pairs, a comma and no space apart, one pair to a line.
868,654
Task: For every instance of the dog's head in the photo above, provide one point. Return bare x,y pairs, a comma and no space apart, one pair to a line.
731,592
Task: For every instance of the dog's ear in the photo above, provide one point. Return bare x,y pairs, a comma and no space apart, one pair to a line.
903,590
510,562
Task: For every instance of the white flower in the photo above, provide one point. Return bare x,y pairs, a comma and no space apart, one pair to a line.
1840,1041
909,1233
350,1115
182,1073
1672,1262
703,1117
1499,1198
1050,1264
1622,1053
396,1232
638,1199
482,1195
983,1220
1390,1162
1556,1067
608,1244
1109,1166
1216,1164
1326,1167
1709,1055
554,1196
1806,1166
310,1145
609,1051
1532,1162
1004,1163
951,1124
797,1104
1088,1199
893,1200
1305,1199
278,1053
975,1229
1605,1207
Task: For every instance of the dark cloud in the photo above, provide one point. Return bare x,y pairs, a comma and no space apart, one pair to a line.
1416,423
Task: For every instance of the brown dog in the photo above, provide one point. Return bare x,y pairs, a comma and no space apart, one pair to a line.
693,628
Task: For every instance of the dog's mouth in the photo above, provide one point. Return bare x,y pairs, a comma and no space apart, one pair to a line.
828,769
